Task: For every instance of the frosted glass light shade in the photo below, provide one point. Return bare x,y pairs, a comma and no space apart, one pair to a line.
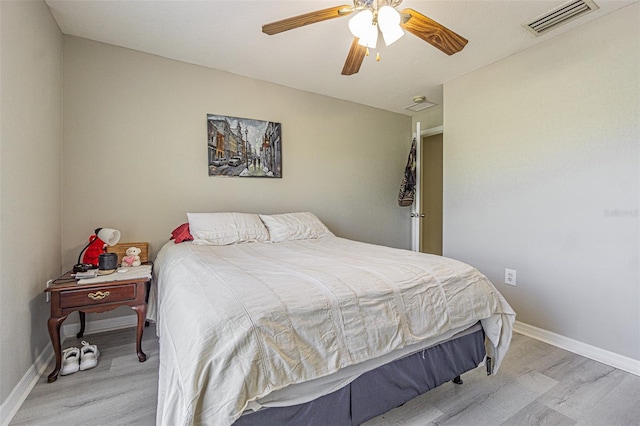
389,22
371,37
359,23
362,26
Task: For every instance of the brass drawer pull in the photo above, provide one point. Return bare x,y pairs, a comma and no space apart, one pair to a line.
98,295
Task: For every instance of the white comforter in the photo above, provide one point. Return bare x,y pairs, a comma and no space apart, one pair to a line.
237,322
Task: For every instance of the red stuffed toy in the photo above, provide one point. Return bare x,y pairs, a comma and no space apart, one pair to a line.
95,249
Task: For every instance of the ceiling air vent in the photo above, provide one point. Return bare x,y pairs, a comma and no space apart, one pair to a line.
419,103
560,15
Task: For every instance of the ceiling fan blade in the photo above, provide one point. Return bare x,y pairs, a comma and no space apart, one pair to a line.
354,58
306,19
432,32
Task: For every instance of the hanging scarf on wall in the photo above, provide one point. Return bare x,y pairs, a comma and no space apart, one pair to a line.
408,185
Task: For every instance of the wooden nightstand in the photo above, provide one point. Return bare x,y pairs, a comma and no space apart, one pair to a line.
68,296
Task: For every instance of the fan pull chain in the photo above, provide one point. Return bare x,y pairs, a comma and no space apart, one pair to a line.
377,55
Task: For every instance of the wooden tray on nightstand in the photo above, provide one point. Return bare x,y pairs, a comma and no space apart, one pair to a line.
121,250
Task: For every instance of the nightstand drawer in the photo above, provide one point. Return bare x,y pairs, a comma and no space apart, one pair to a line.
87,297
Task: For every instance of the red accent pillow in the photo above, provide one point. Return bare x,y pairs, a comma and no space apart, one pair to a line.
181,233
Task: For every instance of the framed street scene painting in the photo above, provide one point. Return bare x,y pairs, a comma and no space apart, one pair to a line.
244,147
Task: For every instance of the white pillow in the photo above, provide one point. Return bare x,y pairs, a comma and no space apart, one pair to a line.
294,226
221,229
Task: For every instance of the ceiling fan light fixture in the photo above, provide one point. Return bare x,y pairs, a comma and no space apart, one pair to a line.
392,35
359,23
371,17
389,23
370,39
363,27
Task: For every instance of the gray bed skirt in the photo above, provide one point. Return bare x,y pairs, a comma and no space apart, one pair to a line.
380,390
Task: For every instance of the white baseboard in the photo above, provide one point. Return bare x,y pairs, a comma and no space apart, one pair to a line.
14,401
20,392
618,361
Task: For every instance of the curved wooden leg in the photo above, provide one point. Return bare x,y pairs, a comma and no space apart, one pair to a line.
54,333
82,319
141,310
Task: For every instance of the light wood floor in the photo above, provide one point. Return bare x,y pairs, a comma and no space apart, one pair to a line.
538,384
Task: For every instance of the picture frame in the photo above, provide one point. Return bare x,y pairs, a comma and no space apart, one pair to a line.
243,147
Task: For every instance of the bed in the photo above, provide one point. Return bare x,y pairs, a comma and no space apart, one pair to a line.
272,319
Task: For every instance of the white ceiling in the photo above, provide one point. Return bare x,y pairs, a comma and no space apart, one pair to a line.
226,35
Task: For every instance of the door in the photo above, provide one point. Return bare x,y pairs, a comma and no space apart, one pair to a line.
431,194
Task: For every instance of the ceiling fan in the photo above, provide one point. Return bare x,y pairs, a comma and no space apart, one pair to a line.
373,17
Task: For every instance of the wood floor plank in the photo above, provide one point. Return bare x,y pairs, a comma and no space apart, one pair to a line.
537,384
119,390
540,415
620,407
584,384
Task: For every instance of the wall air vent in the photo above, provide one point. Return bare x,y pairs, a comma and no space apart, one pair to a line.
560,15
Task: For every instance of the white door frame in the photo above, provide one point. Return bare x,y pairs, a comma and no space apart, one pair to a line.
415,208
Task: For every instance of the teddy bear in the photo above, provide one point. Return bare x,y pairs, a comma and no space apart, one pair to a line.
132,258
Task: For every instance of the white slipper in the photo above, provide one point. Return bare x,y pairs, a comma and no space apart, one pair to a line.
70,361
88,356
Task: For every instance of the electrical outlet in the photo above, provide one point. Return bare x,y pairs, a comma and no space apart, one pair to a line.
47,294
510,276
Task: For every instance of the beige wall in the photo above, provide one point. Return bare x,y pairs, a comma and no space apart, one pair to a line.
429,118
542,176
146,117
134,154
135,151
30,182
